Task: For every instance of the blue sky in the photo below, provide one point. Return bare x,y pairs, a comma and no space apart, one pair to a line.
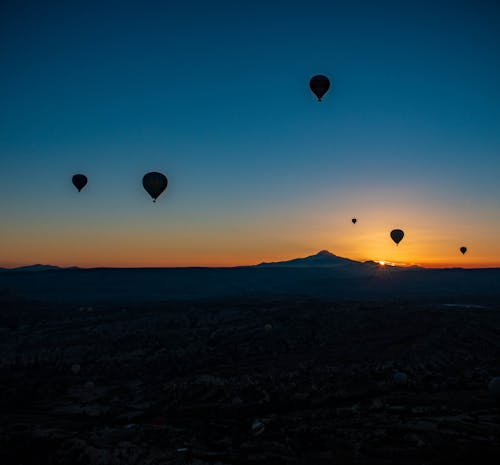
215,94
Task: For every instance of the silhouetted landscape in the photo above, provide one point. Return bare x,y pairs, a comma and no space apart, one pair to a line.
323,275
316,360
168,171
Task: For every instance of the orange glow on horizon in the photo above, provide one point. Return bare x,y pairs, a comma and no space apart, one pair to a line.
157,239
217,260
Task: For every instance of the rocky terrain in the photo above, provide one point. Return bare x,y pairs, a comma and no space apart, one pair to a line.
260,381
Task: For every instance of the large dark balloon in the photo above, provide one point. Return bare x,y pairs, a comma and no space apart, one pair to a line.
79,181
319,85
397,235
354,220
154,183
463,250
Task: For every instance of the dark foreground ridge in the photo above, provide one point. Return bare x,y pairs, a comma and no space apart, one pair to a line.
323,275
251,382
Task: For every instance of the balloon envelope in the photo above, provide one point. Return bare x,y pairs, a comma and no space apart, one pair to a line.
397,235
354,220
319,84
463,250
154,183
79,181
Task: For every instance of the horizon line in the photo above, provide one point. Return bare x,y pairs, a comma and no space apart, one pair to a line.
380,263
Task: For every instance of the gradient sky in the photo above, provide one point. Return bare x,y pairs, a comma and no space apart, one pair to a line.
215,95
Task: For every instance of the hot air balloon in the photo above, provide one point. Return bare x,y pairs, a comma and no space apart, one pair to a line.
354,220
463,250
397,235
319,85
154,183
79,181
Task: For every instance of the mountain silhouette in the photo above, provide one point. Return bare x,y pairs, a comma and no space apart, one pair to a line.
37,268
323,275
324,258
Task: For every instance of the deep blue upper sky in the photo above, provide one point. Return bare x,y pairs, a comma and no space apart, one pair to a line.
215,94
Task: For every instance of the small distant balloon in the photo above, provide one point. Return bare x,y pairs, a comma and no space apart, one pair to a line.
397,235
354,220
79,181
154,183
268,327
319,85
463,250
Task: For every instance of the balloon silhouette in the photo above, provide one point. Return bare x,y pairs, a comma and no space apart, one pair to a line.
319,85
354,220
154,183
397,235
79,181
463,250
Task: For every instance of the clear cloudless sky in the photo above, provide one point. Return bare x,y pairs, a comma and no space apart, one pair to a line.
215,95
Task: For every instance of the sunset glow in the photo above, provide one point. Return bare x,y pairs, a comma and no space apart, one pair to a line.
258,170
249,232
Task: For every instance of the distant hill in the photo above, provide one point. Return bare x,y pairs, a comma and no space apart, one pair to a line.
37,268
322,259
323,276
